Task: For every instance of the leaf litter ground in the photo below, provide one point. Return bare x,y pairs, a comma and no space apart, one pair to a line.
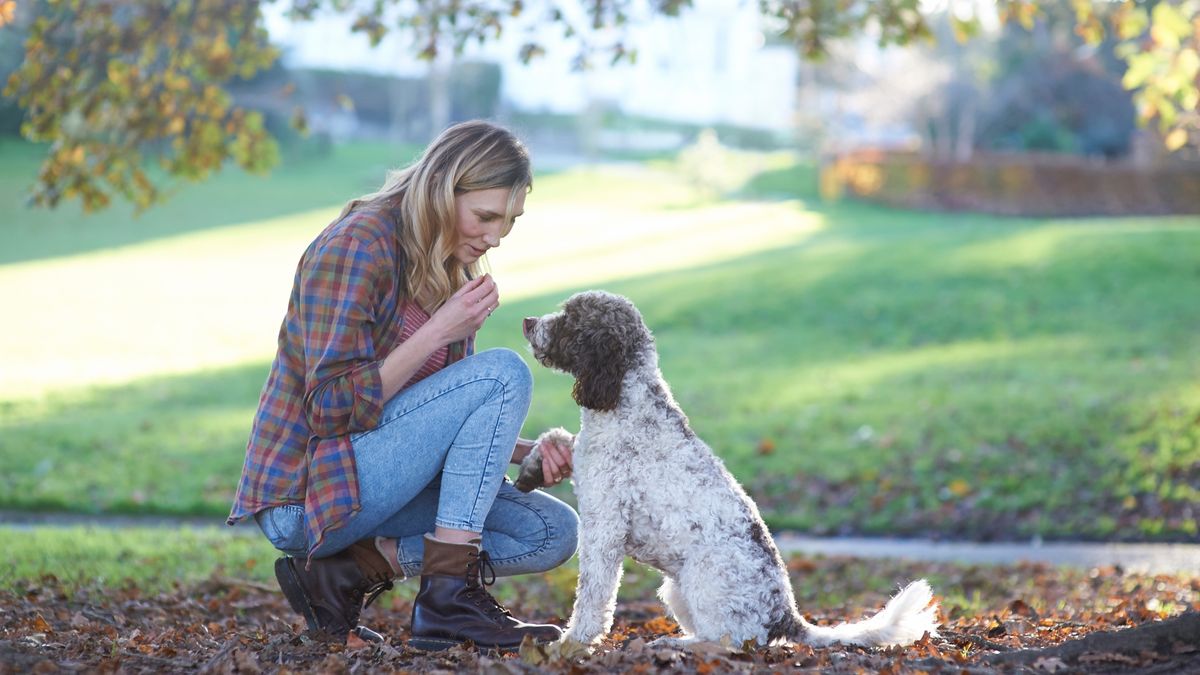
989,615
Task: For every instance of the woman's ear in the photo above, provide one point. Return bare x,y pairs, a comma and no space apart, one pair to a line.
599,372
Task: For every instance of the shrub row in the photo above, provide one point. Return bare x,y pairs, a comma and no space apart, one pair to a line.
1017,185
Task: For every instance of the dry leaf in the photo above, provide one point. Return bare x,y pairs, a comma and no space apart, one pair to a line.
78,620
660,625
41,625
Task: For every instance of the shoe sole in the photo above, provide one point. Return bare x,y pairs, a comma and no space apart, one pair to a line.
434,644
431,644
293,590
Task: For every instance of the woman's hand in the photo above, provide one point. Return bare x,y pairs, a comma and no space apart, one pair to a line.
556,461
466,310
546,462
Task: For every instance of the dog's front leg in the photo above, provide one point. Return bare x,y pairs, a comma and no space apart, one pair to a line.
601,552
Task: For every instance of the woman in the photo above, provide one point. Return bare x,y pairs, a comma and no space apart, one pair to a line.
380,443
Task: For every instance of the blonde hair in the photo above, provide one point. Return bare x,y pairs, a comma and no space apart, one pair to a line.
476,155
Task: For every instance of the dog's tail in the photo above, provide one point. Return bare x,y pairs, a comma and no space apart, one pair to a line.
902,621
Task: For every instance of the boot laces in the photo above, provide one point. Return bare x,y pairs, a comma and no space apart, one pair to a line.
371,588
376,590
481,572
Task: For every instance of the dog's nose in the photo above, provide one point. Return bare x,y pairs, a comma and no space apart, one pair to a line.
528,324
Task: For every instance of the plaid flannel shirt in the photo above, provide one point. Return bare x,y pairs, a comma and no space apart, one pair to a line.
344,316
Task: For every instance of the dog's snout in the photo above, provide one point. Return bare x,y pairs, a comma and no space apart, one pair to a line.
527,326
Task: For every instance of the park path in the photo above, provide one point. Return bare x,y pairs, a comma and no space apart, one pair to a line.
1144,558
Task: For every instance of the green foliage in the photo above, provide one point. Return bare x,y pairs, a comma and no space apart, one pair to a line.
1160,45
1165,68
1048,90
106,84
12,52
812,26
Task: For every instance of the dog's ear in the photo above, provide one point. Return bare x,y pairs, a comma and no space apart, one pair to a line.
599,371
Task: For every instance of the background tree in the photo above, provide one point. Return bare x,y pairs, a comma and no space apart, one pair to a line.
1044,89
1055,87
1051,91
110,83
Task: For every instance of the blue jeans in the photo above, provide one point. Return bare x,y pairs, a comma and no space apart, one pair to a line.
438,457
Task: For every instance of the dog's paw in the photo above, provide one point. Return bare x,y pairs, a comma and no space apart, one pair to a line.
570,649
529,475
546,653
583,638
693,644
558,436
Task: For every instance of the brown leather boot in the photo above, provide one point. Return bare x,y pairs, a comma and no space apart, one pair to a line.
453,607
329,594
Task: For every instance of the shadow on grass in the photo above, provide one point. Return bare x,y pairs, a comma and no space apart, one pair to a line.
230,197
164,445
798,181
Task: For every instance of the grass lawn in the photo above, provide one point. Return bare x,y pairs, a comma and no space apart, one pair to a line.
859,369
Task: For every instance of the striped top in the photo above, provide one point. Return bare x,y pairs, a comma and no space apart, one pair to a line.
414,318
344,316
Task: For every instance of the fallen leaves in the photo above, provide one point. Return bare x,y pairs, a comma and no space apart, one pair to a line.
660,625
228,626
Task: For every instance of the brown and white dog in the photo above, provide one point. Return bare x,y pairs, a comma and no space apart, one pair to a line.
649,488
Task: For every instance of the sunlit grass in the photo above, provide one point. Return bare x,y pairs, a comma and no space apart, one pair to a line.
149,558
181,304
214,297
567,246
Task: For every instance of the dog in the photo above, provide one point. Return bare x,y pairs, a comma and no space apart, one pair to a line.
649,488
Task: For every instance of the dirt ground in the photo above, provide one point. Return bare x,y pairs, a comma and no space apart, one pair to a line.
226,625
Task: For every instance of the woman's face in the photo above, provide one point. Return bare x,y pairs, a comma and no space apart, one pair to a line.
479,219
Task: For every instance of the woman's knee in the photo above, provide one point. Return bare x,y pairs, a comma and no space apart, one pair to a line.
565,526
509,367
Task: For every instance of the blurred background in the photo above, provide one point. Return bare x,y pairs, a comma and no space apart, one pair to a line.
942,289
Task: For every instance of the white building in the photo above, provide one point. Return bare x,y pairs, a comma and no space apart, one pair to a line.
709,65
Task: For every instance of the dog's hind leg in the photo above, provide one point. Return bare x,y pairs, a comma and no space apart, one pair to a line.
677,605
721,601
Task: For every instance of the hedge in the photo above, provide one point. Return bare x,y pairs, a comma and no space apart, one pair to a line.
1017,185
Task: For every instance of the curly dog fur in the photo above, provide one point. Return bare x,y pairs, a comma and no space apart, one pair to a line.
649,488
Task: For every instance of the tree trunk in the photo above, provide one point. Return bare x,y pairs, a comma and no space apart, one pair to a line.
439,92
964,146
1171,637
